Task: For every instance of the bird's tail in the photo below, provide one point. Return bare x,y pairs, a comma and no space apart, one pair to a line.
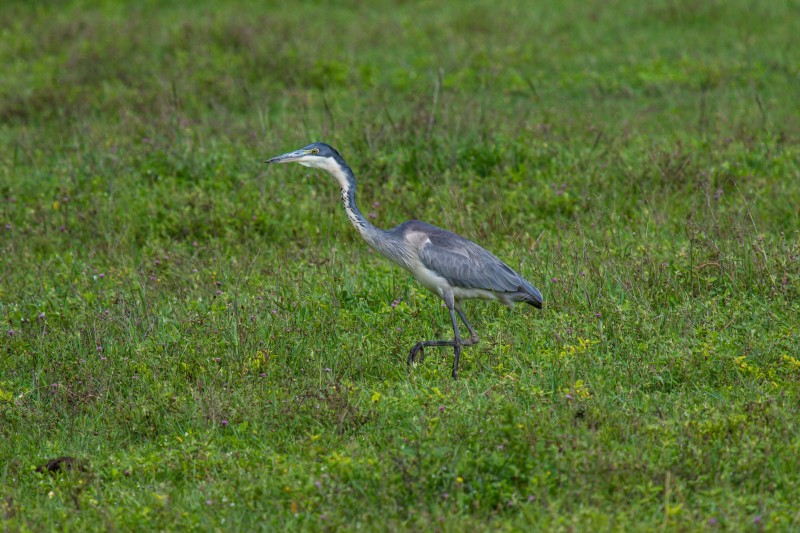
529,294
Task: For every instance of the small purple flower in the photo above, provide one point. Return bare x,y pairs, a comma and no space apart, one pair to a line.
62,229
224,422
194,243
219,292
395,303
263,374
712,521
598,315
555,280
328,370
99,348
152,277
11,333
441,408
372,214
318,484
209,502
41,315
218,283
217,359
136,376
274,311
194,271
446,495
757,519
8,226
375,204
531,498
568,396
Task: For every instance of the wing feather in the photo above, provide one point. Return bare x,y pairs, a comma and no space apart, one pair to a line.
465,264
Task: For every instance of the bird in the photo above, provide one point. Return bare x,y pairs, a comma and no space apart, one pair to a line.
447,264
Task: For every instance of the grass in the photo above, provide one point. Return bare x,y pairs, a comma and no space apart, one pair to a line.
221,350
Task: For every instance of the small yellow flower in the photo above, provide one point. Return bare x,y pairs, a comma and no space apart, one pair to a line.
376,396
791,361
459,480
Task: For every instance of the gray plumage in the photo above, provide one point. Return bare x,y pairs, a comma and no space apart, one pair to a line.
465,264
449,265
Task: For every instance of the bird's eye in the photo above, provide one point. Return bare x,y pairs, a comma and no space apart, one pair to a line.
315,150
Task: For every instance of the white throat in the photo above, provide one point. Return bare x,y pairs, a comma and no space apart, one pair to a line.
328,164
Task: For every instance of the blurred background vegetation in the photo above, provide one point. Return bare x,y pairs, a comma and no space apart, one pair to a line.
214,340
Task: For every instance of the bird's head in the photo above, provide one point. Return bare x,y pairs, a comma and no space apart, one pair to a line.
317,155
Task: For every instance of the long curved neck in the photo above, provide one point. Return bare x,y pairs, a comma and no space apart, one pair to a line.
379,239
358,220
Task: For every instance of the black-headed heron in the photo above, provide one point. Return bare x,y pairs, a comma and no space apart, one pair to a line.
447,264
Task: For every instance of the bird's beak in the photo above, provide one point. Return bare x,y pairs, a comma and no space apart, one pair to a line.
289,158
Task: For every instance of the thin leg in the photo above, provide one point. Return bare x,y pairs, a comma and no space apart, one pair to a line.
456,343
473,336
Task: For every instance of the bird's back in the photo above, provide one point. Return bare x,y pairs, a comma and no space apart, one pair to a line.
467,267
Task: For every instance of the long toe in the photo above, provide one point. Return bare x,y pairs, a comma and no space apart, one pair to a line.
413,354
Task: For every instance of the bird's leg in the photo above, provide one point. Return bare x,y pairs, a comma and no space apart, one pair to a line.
456,343
473,336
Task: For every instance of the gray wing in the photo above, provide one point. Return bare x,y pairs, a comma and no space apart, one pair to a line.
465,264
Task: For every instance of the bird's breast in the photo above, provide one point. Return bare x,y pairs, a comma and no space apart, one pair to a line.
428,278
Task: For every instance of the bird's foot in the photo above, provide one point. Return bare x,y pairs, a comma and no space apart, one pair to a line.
418,348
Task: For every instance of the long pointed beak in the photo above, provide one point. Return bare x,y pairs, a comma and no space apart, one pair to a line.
287,158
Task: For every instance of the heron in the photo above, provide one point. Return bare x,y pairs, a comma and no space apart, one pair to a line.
447,264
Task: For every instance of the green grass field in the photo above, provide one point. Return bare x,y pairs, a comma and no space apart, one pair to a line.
221,350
